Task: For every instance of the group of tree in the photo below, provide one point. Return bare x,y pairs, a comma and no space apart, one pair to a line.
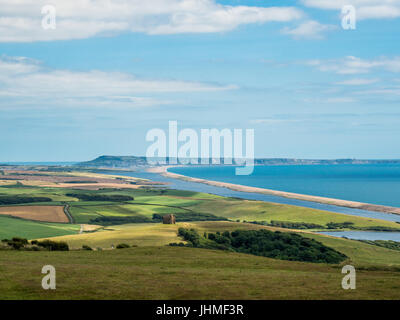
340,225
190,235
100,197
123,246
293,225
116,220
329,225
81,181
9,200
191,216
390,244
51,245
17,243
278,245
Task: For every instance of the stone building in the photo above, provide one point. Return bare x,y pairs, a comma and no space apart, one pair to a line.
169,219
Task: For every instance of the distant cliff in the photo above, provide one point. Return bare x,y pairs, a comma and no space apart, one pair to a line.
134,161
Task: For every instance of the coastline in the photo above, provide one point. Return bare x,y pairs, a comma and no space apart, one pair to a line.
163,170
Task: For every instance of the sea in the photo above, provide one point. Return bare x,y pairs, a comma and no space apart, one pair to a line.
369,183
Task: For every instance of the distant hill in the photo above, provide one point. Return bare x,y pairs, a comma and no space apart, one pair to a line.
115,162
140,161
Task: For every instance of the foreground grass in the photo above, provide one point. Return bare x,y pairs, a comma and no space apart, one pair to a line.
182,273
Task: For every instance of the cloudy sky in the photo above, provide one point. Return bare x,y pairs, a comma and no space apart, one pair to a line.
111,70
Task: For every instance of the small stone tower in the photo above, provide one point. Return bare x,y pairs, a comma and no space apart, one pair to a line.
169,219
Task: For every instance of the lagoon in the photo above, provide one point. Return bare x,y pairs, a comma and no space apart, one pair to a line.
364,235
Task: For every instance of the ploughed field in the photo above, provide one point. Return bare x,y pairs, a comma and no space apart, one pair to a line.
103,217
38,213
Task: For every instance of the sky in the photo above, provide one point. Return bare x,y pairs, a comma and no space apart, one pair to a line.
112,70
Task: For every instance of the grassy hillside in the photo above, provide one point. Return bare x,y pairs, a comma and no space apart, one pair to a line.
263,211
182,273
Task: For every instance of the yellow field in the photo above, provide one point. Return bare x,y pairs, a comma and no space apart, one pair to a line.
38,213
89,227
139,234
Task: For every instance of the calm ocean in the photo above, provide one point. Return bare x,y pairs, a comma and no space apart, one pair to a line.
372,183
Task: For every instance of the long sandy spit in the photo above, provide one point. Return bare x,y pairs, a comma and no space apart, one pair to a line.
237,187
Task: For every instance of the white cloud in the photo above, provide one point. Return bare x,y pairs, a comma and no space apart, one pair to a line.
357,82
24,80
329,100
354,65
20,21
389,92
310,29
365,9
379,11
272,121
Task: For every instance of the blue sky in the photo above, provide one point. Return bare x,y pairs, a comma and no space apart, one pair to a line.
112,70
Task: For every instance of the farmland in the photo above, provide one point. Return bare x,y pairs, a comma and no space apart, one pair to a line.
151,269
121,206
153,201
146,203
38,213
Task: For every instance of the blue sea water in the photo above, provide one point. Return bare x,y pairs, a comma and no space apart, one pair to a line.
369,183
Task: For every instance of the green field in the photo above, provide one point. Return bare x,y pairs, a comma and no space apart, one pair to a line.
11,227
